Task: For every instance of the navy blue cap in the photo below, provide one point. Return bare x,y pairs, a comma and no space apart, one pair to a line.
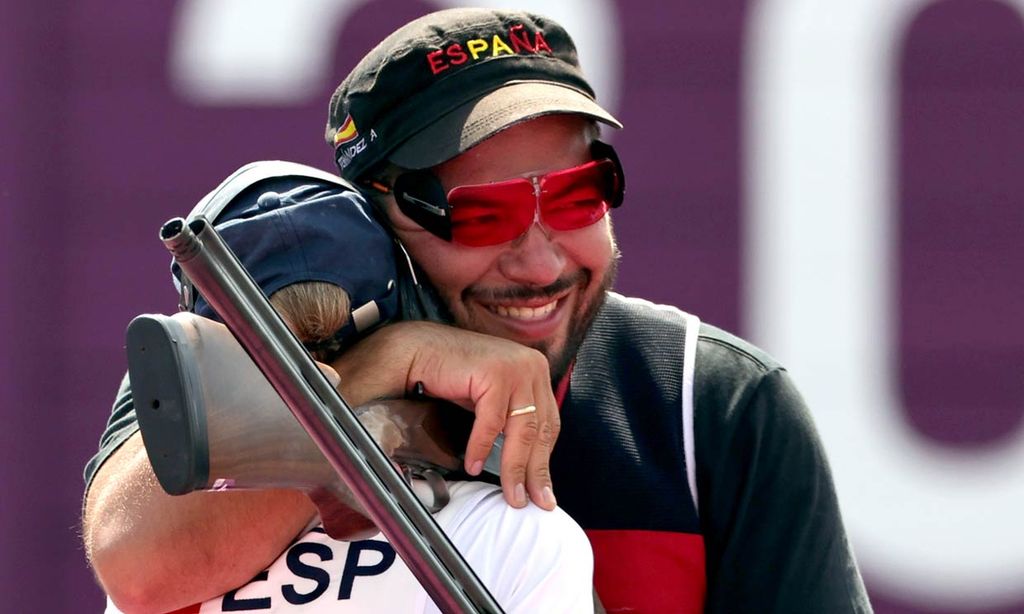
292,229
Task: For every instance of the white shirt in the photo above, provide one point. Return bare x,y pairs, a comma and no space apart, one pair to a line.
529,559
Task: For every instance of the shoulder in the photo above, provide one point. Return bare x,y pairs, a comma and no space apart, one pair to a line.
718,352
531,559
640,313
739,385
746,406
723,349
733,379
479,515
729,373
628,326
121,425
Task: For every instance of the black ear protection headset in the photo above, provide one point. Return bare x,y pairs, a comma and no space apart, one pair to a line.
422,198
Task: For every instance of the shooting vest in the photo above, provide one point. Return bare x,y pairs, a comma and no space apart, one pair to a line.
624,464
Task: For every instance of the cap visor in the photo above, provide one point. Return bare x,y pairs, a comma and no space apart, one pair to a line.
481,118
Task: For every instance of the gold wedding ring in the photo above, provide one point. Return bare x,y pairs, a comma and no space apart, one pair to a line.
528,409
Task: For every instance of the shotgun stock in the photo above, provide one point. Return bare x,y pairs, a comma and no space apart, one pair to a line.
331,424
211,421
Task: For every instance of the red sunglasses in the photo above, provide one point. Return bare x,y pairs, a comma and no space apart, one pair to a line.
495,213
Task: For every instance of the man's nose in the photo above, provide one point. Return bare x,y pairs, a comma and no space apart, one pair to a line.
535,258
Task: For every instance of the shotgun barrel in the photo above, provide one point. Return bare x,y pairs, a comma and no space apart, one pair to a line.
373,481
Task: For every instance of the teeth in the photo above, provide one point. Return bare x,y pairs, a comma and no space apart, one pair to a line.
524,313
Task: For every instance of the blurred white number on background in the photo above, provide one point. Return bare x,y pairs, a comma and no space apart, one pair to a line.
928,522
272,53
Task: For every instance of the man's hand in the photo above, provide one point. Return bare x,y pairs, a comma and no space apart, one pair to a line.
487,375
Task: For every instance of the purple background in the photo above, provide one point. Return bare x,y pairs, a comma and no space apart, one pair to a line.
99,150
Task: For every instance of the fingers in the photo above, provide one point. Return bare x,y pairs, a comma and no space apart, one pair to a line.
508,387
332,375
519,404
520,435
489,422
538,468
528,417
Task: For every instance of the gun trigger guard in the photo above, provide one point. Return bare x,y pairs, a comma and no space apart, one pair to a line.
439,490
439,495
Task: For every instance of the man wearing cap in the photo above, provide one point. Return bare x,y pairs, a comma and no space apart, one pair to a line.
685,453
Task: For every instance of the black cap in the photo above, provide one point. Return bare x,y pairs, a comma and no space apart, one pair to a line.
449,80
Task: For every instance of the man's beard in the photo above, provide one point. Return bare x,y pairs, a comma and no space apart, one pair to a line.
579,326
559,360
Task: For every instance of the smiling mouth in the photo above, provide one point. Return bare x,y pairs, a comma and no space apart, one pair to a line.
526,314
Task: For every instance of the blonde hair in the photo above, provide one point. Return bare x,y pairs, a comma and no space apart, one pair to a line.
314,310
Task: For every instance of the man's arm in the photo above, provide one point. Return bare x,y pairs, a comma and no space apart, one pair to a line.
156,553
484,374
152,552
769,512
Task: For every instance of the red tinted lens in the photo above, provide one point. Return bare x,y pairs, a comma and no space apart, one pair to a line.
491,213
494,213
577,197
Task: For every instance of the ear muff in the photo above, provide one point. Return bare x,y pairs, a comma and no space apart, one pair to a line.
421,197
600,151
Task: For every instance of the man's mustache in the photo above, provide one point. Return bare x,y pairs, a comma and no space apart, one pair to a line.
520,293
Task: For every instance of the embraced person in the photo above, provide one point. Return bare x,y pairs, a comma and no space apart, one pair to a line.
314,250
685,453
